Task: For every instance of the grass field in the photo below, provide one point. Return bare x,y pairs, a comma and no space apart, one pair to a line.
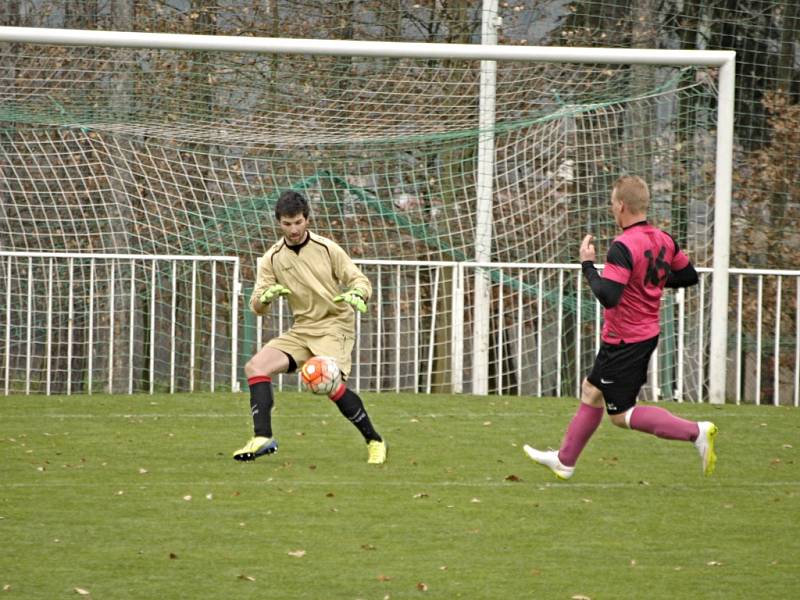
138,497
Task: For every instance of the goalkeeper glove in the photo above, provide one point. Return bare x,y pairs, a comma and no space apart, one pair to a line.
354,298
273,292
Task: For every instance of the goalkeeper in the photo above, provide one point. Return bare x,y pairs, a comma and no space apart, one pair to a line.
310,272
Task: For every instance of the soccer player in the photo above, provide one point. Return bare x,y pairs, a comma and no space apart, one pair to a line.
641,262
310,271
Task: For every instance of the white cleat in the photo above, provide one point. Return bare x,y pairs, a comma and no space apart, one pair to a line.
549,459
705,446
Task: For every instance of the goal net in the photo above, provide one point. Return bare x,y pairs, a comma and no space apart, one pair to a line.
168,152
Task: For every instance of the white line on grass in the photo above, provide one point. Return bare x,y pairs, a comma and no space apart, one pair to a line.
415,485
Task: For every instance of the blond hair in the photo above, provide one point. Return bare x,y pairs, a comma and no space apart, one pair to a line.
633,192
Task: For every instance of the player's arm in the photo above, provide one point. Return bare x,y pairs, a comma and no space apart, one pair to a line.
683,278
682,273
607,292
267,288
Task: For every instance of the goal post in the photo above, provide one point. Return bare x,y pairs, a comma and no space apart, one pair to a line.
722,61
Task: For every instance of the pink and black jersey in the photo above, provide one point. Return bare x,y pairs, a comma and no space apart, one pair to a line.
641,259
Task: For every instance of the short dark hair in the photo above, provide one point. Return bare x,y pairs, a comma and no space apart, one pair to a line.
289,204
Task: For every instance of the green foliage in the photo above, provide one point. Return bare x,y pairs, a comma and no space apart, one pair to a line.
137,497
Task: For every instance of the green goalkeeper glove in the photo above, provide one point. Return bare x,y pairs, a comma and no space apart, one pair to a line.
273,292
354,298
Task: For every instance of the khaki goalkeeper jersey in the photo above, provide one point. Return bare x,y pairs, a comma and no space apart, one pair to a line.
316,274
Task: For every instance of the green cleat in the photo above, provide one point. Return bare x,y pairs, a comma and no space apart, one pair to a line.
257,446
377,452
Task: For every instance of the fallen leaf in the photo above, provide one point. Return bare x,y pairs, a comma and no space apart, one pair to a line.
513,478
422,587
82,592
297,553
246,577
580,597
172,556
7,587
714,563
421,495
384,578
330,495
368,547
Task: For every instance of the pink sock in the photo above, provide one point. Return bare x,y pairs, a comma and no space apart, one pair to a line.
662,423
580,429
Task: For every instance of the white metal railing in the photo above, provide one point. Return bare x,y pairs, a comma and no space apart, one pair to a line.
781,384
73,321
122,323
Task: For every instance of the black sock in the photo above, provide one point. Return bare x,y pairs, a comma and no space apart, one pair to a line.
261,401
351,406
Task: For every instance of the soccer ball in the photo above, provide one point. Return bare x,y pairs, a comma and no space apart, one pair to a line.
320,375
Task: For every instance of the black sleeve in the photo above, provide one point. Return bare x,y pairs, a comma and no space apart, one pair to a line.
683,278
619,255
606,291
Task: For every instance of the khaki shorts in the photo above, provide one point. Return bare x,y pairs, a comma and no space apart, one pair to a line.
301,347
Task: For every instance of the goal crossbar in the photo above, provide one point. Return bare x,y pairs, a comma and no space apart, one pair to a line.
226,43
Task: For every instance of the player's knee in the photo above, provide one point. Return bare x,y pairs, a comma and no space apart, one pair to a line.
590,394
619,420
338,392
250,368
255,366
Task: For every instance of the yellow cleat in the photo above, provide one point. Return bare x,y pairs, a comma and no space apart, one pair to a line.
377,452
257,446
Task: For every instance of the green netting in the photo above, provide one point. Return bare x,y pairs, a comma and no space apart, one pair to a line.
764,34
388,157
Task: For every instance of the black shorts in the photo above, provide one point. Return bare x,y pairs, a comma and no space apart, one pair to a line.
620,371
